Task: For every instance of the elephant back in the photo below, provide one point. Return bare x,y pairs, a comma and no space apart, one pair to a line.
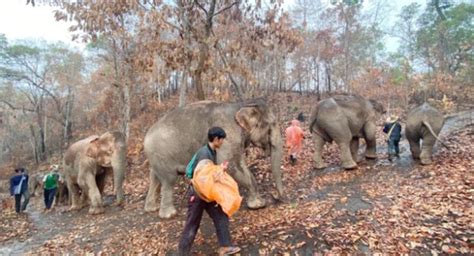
420,114
353,109
173,139
75,149
176,136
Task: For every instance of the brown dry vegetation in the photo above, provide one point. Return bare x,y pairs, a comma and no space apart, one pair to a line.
378,208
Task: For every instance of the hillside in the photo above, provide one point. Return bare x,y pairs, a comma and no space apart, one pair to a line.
381,207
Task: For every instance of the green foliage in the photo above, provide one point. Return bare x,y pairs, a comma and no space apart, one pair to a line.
449,39
440,37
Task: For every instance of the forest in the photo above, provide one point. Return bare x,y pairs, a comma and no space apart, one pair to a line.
143,58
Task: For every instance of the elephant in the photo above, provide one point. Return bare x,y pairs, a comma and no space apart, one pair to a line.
62,194
171,142
86,164
423,123
344,119
35,183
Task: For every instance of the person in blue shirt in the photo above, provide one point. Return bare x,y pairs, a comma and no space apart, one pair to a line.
393,129
19,189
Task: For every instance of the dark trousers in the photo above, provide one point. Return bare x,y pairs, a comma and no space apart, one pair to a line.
196,207
49,197
18,206
393,148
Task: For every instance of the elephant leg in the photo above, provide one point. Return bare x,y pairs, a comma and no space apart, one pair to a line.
427,150
415,149
151,201
318,153
354,148
167,208
346,156
246,178
63,194
83,198
94,194
369,136
74,194
100,181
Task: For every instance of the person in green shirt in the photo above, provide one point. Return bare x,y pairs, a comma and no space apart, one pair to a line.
50,185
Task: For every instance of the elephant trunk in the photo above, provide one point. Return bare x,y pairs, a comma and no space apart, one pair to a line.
276,155
119,166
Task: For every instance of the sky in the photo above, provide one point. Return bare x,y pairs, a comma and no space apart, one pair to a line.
21,21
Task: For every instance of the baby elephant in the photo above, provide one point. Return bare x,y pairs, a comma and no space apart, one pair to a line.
86,165
423,123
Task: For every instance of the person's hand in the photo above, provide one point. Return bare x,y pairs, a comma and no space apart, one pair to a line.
225,165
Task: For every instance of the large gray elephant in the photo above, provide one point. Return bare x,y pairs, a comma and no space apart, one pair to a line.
171,142
344,119
86,164
423,124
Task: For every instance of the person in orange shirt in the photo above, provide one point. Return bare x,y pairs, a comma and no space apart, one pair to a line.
294,140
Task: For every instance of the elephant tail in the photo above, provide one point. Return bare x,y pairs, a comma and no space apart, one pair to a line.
427,124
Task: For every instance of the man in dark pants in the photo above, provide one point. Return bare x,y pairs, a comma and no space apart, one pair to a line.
393,129
50,185
196,205
19,189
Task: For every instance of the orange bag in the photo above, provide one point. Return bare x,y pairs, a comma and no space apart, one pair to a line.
212,183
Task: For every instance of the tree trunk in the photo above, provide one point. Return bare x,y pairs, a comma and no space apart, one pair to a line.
442,47
42,144
318,90
126,110
182,89
204,53
328,77
34,144
67,129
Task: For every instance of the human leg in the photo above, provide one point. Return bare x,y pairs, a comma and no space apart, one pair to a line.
193,220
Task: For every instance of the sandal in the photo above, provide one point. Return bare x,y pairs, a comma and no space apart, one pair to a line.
228,250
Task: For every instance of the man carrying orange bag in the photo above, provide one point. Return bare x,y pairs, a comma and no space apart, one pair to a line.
196,205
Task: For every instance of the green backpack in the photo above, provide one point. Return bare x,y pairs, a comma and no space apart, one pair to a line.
192,164
190,167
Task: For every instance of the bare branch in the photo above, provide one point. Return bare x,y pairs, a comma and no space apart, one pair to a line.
201,7
12,107
171,24
225,8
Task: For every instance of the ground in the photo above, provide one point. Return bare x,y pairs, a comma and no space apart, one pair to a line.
381,207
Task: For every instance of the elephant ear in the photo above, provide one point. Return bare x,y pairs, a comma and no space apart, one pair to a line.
248,118
93,148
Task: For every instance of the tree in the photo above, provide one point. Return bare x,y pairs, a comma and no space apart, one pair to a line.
445,38
34,76
115,24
